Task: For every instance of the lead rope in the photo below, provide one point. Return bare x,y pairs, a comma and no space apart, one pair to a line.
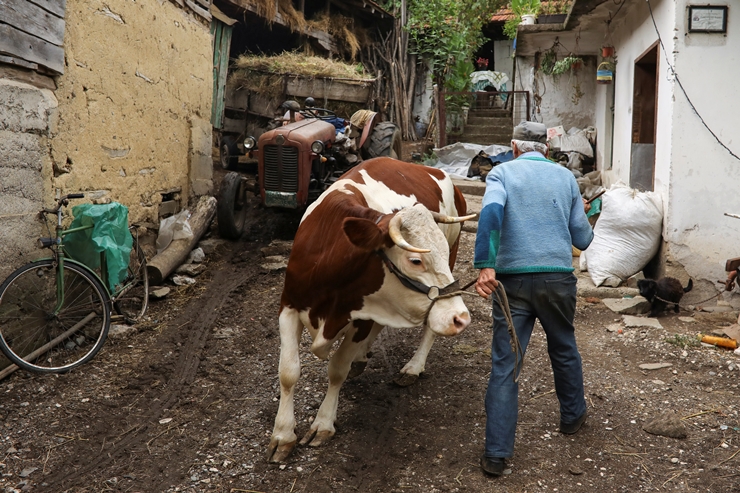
503,302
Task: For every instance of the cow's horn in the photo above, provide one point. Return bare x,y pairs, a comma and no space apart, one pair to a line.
394,230
442,218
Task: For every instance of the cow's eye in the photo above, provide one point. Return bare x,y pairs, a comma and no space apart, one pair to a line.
415,261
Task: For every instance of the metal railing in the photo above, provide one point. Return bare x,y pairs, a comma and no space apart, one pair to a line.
454,108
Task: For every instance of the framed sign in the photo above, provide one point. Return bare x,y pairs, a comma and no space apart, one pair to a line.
707,19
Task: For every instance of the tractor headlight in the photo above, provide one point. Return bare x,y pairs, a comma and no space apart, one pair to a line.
249,143
317,147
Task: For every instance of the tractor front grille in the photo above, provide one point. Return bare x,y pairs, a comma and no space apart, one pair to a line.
281,168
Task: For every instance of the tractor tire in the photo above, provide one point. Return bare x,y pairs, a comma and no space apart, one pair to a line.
385,140
228,152
232,205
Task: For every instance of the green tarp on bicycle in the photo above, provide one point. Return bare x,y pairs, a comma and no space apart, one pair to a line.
109,235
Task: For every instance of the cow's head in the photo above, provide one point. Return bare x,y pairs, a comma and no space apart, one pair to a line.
412,242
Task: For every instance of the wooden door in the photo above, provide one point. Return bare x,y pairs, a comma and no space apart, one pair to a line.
221,34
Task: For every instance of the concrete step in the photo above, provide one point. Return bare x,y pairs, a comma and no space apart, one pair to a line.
490,112
490,120
471,188
487,130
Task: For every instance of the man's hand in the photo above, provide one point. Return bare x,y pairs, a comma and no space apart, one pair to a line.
486,283
586,206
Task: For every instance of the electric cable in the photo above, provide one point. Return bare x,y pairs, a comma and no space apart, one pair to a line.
675,76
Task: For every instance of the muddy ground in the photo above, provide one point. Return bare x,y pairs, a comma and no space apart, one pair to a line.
187,402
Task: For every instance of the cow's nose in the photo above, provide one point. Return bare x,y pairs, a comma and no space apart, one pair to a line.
461,321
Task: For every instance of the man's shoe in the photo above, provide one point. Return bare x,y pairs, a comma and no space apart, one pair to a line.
492,465
571,428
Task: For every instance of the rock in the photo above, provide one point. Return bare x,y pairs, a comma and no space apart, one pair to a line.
197,256
629,306
586,289
667,425
655,366
277,247
209,245
716,309
632,281
121,331
631,321
191,270
159,293
614,327
27,472
575,471
716,317
275,263
183,280
688,320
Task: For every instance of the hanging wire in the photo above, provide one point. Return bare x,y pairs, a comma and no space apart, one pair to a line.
675,76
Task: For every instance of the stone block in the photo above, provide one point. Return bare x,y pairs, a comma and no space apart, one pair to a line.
25,108
628,306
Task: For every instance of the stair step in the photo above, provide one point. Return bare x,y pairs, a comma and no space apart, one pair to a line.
479,139
486,130
490,112
490,120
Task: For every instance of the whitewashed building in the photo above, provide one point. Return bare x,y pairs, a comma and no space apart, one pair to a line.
669,121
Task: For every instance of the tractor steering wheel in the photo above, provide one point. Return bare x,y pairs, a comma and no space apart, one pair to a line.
320,113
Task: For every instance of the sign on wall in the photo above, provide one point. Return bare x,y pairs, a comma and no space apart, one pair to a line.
707,18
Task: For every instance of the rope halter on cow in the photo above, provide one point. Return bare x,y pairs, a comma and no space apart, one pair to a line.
435,293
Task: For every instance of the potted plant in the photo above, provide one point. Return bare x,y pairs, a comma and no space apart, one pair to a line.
607,51
569,63
554,12
525,12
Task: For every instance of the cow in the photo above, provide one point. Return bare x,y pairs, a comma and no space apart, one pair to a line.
368,253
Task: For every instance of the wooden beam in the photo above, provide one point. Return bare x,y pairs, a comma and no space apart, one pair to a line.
30,48
34,20
29,76
56,7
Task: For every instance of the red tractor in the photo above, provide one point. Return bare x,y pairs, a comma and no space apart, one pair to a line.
302,156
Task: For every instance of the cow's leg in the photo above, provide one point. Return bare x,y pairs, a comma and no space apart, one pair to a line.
363,352
283,437
322,428
410,373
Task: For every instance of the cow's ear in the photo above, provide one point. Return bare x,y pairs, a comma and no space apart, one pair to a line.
363,233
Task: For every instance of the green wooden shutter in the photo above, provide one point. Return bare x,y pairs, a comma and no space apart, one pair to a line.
221,44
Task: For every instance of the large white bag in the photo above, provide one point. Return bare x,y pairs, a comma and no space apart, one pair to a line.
627,234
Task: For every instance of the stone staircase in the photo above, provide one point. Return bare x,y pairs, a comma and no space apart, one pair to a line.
486,127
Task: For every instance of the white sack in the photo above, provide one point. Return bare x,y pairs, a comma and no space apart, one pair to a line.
175,227
627,234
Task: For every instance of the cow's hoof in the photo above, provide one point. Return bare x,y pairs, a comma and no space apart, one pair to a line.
277,452
357,368
315,438
405,379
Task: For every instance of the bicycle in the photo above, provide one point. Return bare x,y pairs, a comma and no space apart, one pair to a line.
55,312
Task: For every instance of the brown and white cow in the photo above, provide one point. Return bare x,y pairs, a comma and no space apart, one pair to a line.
381,215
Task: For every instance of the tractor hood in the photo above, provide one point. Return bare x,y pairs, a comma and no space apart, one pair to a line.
299,134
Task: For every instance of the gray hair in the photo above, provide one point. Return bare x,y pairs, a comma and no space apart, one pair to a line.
529,146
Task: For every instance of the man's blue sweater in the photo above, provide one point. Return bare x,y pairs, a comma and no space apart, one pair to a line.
532,214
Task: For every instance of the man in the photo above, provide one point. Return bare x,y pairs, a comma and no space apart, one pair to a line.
532,214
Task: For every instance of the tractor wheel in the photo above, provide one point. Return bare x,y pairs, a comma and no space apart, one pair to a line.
232,206
229,152
385,140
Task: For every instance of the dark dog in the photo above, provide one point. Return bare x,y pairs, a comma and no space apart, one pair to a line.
662,292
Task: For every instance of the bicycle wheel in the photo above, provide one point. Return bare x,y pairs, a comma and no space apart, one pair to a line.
132,298
36,338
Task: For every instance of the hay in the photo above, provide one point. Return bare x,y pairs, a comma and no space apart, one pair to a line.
293,19
344,30
265,8
293,63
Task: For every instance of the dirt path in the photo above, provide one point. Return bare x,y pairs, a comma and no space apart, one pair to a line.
187,403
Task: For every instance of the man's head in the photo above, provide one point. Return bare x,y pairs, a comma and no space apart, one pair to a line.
529,136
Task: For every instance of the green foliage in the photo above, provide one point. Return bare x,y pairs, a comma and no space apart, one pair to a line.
520,8
547,62
445,32
566,64
556,7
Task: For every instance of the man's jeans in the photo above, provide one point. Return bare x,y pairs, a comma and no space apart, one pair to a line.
551,298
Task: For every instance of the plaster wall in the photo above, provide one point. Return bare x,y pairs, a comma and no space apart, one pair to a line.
633,36
134,104
26,116
423,96
568,100
703,173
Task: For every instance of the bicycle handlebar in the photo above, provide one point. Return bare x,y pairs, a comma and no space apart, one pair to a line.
62,202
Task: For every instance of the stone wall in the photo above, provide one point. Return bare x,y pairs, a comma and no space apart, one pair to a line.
26,116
